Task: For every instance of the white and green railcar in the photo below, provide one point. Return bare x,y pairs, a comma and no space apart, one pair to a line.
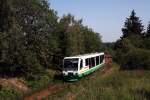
78,66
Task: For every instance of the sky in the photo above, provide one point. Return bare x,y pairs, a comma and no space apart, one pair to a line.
106,17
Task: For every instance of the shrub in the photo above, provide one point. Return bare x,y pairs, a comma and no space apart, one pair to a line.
124,47
131,55
146,43
39,81
8,93
137,58
136,40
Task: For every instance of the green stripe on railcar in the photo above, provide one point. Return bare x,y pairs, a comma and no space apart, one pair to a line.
90,70
78,76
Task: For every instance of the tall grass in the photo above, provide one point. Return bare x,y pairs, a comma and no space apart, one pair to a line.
114,85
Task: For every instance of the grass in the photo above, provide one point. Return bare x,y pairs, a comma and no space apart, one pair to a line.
115,84
42,82
107,83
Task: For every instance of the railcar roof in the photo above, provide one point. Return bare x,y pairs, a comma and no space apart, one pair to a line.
85,55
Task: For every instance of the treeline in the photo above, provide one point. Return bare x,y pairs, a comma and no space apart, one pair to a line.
33,37
133,48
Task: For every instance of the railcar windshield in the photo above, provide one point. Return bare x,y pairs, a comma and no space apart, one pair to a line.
71,64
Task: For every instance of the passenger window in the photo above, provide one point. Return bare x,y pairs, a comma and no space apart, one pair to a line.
86,62
97,60
93,61
101,58
81,64
90,62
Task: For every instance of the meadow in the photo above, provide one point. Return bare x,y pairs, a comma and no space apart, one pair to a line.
108,84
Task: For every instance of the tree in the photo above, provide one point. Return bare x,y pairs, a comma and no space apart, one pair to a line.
148,30
75,38
92,41
132,30
146,40
71,35
132,26
28,32
39,24
132,50
11,39
31,37
4,13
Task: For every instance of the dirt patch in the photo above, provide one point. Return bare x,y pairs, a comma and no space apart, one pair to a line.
16,83
46,92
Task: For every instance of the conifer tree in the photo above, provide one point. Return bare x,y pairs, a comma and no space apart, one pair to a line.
132,26
148,30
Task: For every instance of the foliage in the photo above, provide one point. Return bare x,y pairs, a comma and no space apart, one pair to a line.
74,38
123,46
32,37
148,30
139,58
132,48
39,81
146,43
132,26
8,93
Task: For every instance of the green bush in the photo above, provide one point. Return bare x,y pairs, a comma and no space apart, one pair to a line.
136,40
132,55
125,47
137,58
39,81
8,93
146,43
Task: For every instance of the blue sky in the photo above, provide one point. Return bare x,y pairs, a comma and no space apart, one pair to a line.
106,17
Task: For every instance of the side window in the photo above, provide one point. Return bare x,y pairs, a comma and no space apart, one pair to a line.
86,62
93,61
81,64
101,58
90,62
97,60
